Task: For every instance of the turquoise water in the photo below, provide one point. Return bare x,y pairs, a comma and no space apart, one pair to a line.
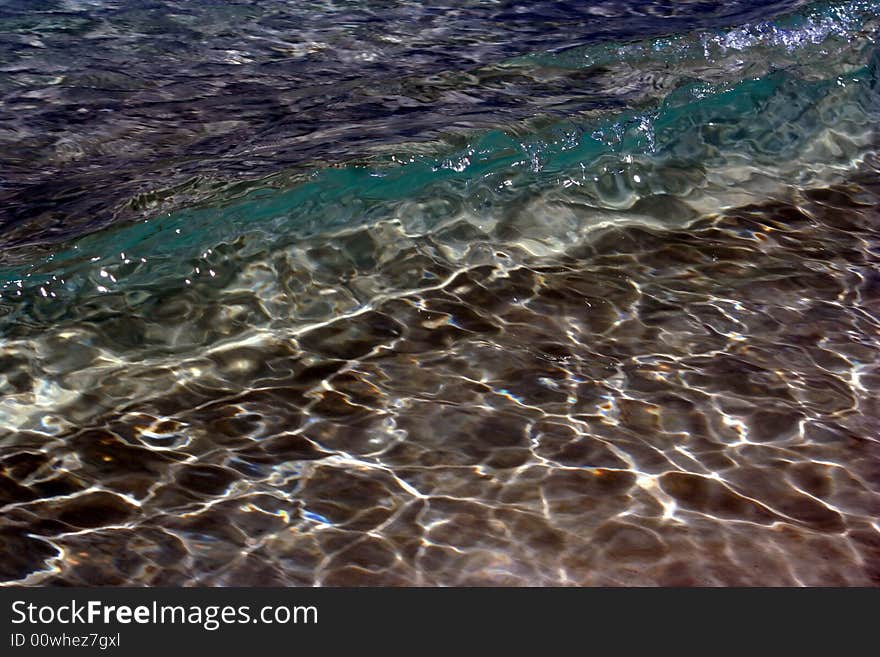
752,122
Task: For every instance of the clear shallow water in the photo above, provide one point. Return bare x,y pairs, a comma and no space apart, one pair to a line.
482,297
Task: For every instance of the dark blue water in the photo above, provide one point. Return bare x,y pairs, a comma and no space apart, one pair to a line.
105,101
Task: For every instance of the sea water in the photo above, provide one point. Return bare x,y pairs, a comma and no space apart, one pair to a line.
348,293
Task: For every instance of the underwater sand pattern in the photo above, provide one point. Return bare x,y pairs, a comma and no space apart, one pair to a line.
707,417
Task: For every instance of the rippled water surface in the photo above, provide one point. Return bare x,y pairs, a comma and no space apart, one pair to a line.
478,293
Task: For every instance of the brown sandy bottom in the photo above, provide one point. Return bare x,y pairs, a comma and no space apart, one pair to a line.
685,407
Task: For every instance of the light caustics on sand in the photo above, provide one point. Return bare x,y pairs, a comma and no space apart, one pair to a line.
635,346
